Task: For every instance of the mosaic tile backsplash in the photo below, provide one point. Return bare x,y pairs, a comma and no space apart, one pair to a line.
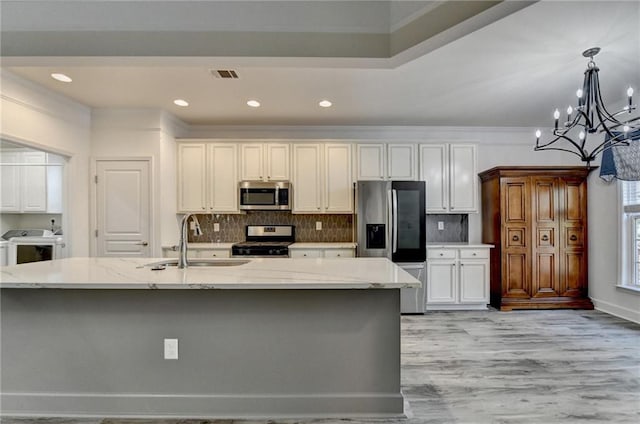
335,228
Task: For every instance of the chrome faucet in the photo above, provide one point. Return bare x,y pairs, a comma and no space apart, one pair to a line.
182,258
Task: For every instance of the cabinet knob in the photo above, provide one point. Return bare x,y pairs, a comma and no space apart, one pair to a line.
442,254
338,255
573,237
203,208
515,238
475,254
545,238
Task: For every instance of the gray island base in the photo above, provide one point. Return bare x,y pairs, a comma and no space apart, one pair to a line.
242,353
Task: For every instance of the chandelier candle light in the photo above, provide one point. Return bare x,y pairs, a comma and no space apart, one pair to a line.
591,117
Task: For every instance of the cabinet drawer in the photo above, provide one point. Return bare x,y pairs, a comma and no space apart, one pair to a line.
339,253
305,253
441,253
217,253
474,253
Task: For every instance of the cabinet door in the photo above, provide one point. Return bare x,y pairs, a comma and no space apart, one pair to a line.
11,183
338,193
573,237
516,243
441,282
371,161
305,253
54,183
545,278
34,182
474,281
223,177
251,162
402,162
192,178
214,253
307,178
434,170
277,162
463,178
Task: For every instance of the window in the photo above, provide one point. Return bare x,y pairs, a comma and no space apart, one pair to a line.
631,234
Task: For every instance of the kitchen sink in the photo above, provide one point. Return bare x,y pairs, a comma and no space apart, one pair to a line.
197,263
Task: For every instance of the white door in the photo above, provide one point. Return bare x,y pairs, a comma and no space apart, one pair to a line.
34,182
251,162
473,282
123,195
277,162
11,185
192,178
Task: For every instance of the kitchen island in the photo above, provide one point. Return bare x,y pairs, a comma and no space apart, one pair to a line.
271,338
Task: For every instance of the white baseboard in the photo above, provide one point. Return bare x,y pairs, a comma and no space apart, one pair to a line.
615,310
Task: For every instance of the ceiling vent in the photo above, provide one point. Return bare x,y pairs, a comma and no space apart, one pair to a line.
224,73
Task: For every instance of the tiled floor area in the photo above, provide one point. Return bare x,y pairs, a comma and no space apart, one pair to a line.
524,367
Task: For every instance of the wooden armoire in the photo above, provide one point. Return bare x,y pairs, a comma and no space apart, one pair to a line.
537,219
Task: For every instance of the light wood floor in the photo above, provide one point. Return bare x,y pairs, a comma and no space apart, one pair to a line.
522,367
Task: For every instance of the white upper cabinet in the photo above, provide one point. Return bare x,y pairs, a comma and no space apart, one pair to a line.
371,162
322,178
307,178
264,162
463,178
223,177
34,182
32,185
386,162
450,172
434,171
402,162
192,178
277,162
338,187
207,177
11,184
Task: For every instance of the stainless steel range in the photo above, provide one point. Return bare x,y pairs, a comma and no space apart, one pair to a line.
265,241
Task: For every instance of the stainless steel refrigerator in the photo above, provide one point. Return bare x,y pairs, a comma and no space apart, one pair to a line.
390,223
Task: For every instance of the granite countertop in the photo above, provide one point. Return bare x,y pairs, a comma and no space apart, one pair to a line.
325,245
458,244
259,273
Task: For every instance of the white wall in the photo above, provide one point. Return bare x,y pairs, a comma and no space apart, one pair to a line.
36,117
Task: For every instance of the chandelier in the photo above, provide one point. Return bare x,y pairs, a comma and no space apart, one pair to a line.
591,117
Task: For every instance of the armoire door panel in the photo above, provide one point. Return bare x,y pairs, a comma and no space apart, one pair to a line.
574,200
516,273
545,278
544,190
515,237
515,197
546,237
574,237
574,274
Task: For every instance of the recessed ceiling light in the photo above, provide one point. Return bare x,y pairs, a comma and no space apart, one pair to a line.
253,103
325,103
61,77
181,102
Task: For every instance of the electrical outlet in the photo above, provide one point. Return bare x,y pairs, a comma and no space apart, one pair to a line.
441,225
318,225
170,348
216,227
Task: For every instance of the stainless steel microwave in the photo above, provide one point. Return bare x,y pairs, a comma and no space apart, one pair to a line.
269,195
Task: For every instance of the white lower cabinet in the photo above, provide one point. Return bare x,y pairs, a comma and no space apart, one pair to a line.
199,252
457,278
322,252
